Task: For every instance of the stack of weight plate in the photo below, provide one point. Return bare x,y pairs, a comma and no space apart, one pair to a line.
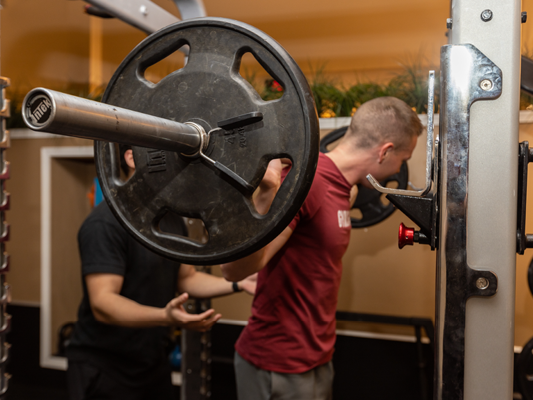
5,319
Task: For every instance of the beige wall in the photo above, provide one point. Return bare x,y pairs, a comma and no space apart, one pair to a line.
71,181
44,42
352,39
25,214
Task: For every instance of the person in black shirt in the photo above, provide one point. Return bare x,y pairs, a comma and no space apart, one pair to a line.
117,350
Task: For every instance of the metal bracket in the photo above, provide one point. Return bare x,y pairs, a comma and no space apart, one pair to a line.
5,112
6,141
5,293
5,174
6,326
4,237
467,76
4,353
4,383
4,206
142,14
4,268
190,8
148,16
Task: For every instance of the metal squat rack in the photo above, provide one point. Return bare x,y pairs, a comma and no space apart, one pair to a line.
196,354
5,319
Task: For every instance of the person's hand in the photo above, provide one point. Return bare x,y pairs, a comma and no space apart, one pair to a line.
353,194
177,315
268,188
249,284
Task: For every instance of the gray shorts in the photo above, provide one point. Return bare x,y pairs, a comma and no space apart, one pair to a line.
257,384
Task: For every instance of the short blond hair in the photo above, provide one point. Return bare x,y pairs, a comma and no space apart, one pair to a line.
383,119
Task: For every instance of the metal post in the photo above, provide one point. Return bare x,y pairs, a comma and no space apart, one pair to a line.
196,355
5,319
475,288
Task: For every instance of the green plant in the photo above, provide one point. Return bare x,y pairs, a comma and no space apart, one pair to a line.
526,101
331,98
362,92
272,90
411,85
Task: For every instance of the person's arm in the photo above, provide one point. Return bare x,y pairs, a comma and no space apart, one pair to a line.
263,198
268,187
200,285
109,307
255,262
353,195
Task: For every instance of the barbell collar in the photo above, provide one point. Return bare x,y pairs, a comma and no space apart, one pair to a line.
55,112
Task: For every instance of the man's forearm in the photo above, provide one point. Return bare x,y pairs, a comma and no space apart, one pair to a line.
201,285
268,188
115,309
238,270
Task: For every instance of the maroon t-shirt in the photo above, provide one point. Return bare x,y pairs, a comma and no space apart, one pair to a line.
292,327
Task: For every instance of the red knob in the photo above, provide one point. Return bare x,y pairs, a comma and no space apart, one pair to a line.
406,236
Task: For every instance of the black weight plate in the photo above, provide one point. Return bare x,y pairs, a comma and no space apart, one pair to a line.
209,89
524,371
369,201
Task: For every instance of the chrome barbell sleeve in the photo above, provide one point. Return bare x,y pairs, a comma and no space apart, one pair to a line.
55,112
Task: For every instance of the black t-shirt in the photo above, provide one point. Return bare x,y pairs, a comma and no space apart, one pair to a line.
130,354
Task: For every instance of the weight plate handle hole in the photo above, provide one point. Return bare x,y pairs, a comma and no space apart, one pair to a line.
169,64
173,225
268,87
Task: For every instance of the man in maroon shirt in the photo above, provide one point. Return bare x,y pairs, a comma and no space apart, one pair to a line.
285,350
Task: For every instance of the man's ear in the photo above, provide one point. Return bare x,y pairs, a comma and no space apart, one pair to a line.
128,157
384,149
